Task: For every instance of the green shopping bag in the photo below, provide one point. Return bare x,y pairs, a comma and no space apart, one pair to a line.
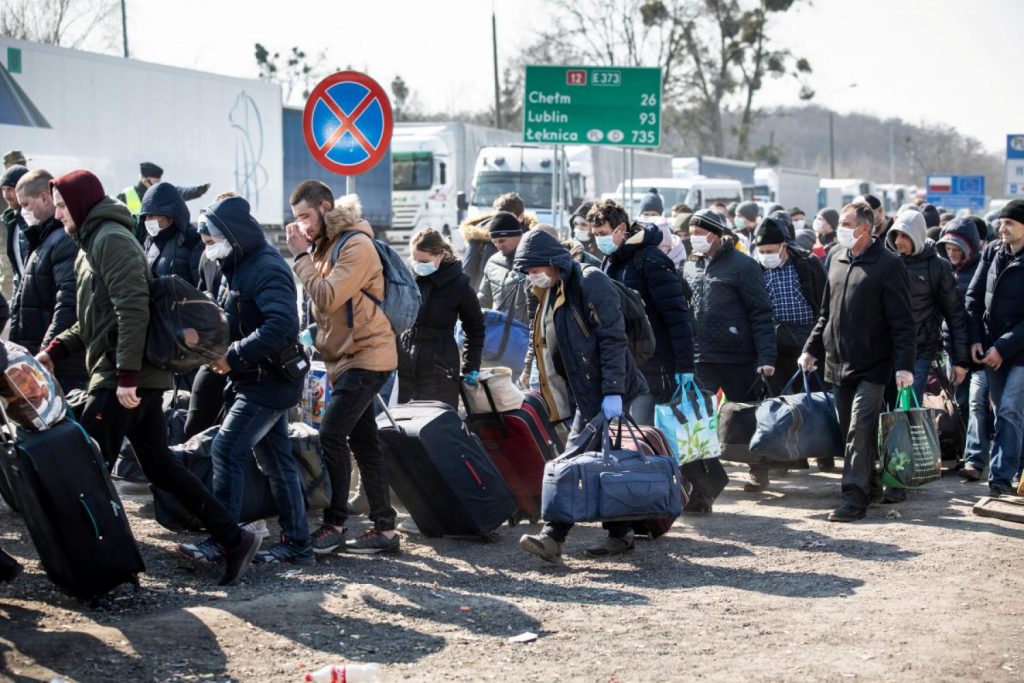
909,444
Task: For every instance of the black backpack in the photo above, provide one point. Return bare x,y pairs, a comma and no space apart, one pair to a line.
186,328
638,327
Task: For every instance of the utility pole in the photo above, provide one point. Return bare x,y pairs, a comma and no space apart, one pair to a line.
494,49
124,29
831,144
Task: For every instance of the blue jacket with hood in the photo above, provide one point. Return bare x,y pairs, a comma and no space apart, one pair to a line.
176,249
592,344
639,264
261,304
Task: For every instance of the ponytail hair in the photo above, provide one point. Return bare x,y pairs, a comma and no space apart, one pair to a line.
434,243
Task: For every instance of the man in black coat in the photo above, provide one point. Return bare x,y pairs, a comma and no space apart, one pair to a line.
637,262
44,303
172,244
149,175
865,328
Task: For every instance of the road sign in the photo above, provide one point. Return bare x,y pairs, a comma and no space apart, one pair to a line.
347,123
957,191
1015,165
616,105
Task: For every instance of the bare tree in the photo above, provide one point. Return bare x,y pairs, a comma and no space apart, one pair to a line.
68,23
296,71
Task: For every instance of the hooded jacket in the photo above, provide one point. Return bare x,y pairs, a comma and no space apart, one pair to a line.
479,248
639,264
961,233
995,302
260,302
112,298
733,318
593,350
368,342
176,249
866,326
934,294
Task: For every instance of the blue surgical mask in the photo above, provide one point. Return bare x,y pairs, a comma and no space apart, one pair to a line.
606,244
424,269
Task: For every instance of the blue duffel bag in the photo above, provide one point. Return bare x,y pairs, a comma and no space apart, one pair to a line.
505,341
583,485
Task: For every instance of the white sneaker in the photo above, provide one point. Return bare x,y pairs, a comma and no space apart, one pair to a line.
408,526
258,529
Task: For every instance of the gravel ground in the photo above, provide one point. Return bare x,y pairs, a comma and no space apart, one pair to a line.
764,589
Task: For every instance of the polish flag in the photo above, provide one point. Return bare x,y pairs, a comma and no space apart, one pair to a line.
940,184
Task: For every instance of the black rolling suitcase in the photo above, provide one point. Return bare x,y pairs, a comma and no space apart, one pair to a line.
708,479
72,512
441,471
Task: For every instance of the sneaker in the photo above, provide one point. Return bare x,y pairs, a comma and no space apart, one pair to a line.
826,464
328,538
239,559
543,546
286,553
259,528
612,546
894,495
846,513
757,481
208,551
970,473
373,541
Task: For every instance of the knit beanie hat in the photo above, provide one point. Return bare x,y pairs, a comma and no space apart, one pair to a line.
12,175
81,191
1014,210
772,230
709,220
504,224
652,201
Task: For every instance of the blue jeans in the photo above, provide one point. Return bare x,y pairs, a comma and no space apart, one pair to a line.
1007,387
246,425
979,423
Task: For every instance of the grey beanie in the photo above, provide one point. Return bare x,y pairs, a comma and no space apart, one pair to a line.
652,202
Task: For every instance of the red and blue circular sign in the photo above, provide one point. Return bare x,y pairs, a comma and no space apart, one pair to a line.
347,123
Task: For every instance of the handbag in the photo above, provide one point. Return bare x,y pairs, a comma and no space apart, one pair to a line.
690,422
737,422
506,341
493,393
940,396
611,485
795,426
909,444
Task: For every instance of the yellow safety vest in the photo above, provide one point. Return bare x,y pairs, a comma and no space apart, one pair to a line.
131,198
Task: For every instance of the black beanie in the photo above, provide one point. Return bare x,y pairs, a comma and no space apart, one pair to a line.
931,215
12,175
504,224
1014,210
772,230
147,169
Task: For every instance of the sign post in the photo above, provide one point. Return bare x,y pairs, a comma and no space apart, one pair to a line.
957,191
347,124
1015,165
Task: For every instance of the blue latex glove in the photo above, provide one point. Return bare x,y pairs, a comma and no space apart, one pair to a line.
471,378
611,406
683,378
306,337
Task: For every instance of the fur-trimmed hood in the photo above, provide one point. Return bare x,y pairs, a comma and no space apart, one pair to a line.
475,229
346,215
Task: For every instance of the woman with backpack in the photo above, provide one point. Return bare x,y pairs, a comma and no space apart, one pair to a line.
428,358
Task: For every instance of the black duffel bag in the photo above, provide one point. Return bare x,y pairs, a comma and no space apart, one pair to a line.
186,329
795,426
737,422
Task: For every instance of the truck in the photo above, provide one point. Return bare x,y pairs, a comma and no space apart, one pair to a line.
697,192
787,186
716,167
835,193
432,164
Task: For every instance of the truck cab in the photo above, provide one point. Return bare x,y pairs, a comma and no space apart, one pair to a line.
529,171
423,190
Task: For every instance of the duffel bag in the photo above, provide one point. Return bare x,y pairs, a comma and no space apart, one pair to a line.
795,426
737,422
186,329
505,341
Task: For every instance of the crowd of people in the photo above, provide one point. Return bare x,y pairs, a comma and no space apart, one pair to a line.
738,300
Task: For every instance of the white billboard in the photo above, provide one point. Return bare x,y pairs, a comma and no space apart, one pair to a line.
68,109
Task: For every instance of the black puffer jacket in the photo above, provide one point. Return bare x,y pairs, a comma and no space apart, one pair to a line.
995,302
733,319
640,265
428,359
44,305
592,343
175,250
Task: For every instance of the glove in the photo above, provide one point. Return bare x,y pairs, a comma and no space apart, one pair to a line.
611,406
683,378
471,378
306,338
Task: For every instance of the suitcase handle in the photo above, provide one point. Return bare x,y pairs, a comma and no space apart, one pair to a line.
92,518
384,407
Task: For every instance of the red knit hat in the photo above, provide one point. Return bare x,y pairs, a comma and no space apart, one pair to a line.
81,191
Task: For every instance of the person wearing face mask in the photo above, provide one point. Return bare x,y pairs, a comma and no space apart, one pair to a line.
583,359
825,224
172,245
581,230
748,216
995,304
44,305
882,222
502,287
429,361
17,245
259,300
864,332
634,258
734,331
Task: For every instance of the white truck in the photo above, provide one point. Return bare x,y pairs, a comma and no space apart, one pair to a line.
697,192
787,186
68,109
431,164
835,193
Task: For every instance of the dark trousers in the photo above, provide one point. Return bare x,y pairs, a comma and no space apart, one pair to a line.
206,401
349,427
108,422
858,406
739,381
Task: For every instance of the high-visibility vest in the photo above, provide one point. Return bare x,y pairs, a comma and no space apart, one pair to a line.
131,198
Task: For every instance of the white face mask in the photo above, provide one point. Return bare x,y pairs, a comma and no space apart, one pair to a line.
152,227
799,224
29,217
539,280
218,250
699,244
845,238
819,224
581,235
769,260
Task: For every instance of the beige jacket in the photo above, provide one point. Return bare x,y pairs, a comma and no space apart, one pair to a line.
370,342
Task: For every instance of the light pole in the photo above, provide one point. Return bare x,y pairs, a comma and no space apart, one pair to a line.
832,136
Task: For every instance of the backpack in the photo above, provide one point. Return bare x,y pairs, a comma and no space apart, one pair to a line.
401,302
638,327
186,329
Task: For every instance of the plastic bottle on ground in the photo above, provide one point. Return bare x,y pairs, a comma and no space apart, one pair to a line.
345,673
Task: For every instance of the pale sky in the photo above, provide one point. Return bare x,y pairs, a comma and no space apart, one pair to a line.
949,61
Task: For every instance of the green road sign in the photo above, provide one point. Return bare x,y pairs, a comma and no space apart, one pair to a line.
615,105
